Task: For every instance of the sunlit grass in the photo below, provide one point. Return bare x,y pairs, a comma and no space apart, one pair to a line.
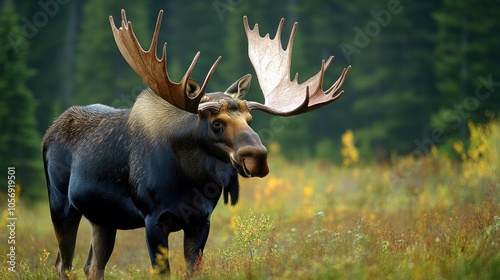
314,220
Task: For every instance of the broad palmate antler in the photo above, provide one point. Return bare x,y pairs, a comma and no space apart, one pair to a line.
272,66
186,94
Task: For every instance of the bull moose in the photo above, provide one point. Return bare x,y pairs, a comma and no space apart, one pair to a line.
165,163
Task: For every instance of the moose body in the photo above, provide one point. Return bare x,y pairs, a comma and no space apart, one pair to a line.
125,169
164,163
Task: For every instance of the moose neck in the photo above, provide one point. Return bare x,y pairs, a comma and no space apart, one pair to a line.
157,120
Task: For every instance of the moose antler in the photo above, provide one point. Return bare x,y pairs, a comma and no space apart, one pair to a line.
186,94
272,66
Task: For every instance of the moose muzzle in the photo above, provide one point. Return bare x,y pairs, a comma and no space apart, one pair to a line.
253,161
251,156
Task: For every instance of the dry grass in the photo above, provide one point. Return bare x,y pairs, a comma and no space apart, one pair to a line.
423,218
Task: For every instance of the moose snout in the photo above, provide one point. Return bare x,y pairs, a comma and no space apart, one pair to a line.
253,160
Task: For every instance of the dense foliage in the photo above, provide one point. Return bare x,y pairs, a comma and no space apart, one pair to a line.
421,69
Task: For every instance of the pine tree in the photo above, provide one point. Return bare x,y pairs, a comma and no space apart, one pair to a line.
46,35
19,140
392,81
103,76
466,65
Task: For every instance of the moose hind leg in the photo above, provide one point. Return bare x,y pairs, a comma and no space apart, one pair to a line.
65,224
101,247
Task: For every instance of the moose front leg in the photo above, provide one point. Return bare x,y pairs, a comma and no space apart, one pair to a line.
157,241
195,238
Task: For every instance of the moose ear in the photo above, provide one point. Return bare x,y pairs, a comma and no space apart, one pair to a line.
192,87
239,89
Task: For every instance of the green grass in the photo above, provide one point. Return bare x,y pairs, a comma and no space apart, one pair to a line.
318,221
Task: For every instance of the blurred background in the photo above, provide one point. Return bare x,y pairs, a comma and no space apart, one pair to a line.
420,69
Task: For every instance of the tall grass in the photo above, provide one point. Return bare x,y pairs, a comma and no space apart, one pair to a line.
417,218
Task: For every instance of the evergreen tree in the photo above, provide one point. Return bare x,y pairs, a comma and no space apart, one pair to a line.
466,66
102,75
391,78
48,34
19,140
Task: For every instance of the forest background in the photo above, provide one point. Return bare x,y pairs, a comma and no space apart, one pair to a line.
420,69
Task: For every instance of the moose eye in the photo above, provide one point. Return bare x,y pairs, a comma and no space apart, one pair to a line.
216,125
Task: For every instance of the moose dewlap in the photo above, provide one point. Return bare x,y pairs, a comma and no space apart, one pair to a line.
164,163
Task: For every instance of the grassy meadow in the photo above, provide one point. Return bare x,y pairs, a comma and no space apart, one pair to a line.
418,217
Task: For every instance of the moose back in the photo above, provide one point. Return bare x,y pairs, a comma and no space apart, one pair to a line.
165,163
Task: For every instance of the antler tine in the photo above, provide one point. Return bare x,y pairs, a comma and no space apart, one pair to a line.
292,35
278,32
186,94
209,75
272,66
321,98
124,17
339,82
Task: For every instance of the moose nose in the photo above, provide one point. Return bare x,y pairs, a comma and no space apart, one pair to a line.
253,160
